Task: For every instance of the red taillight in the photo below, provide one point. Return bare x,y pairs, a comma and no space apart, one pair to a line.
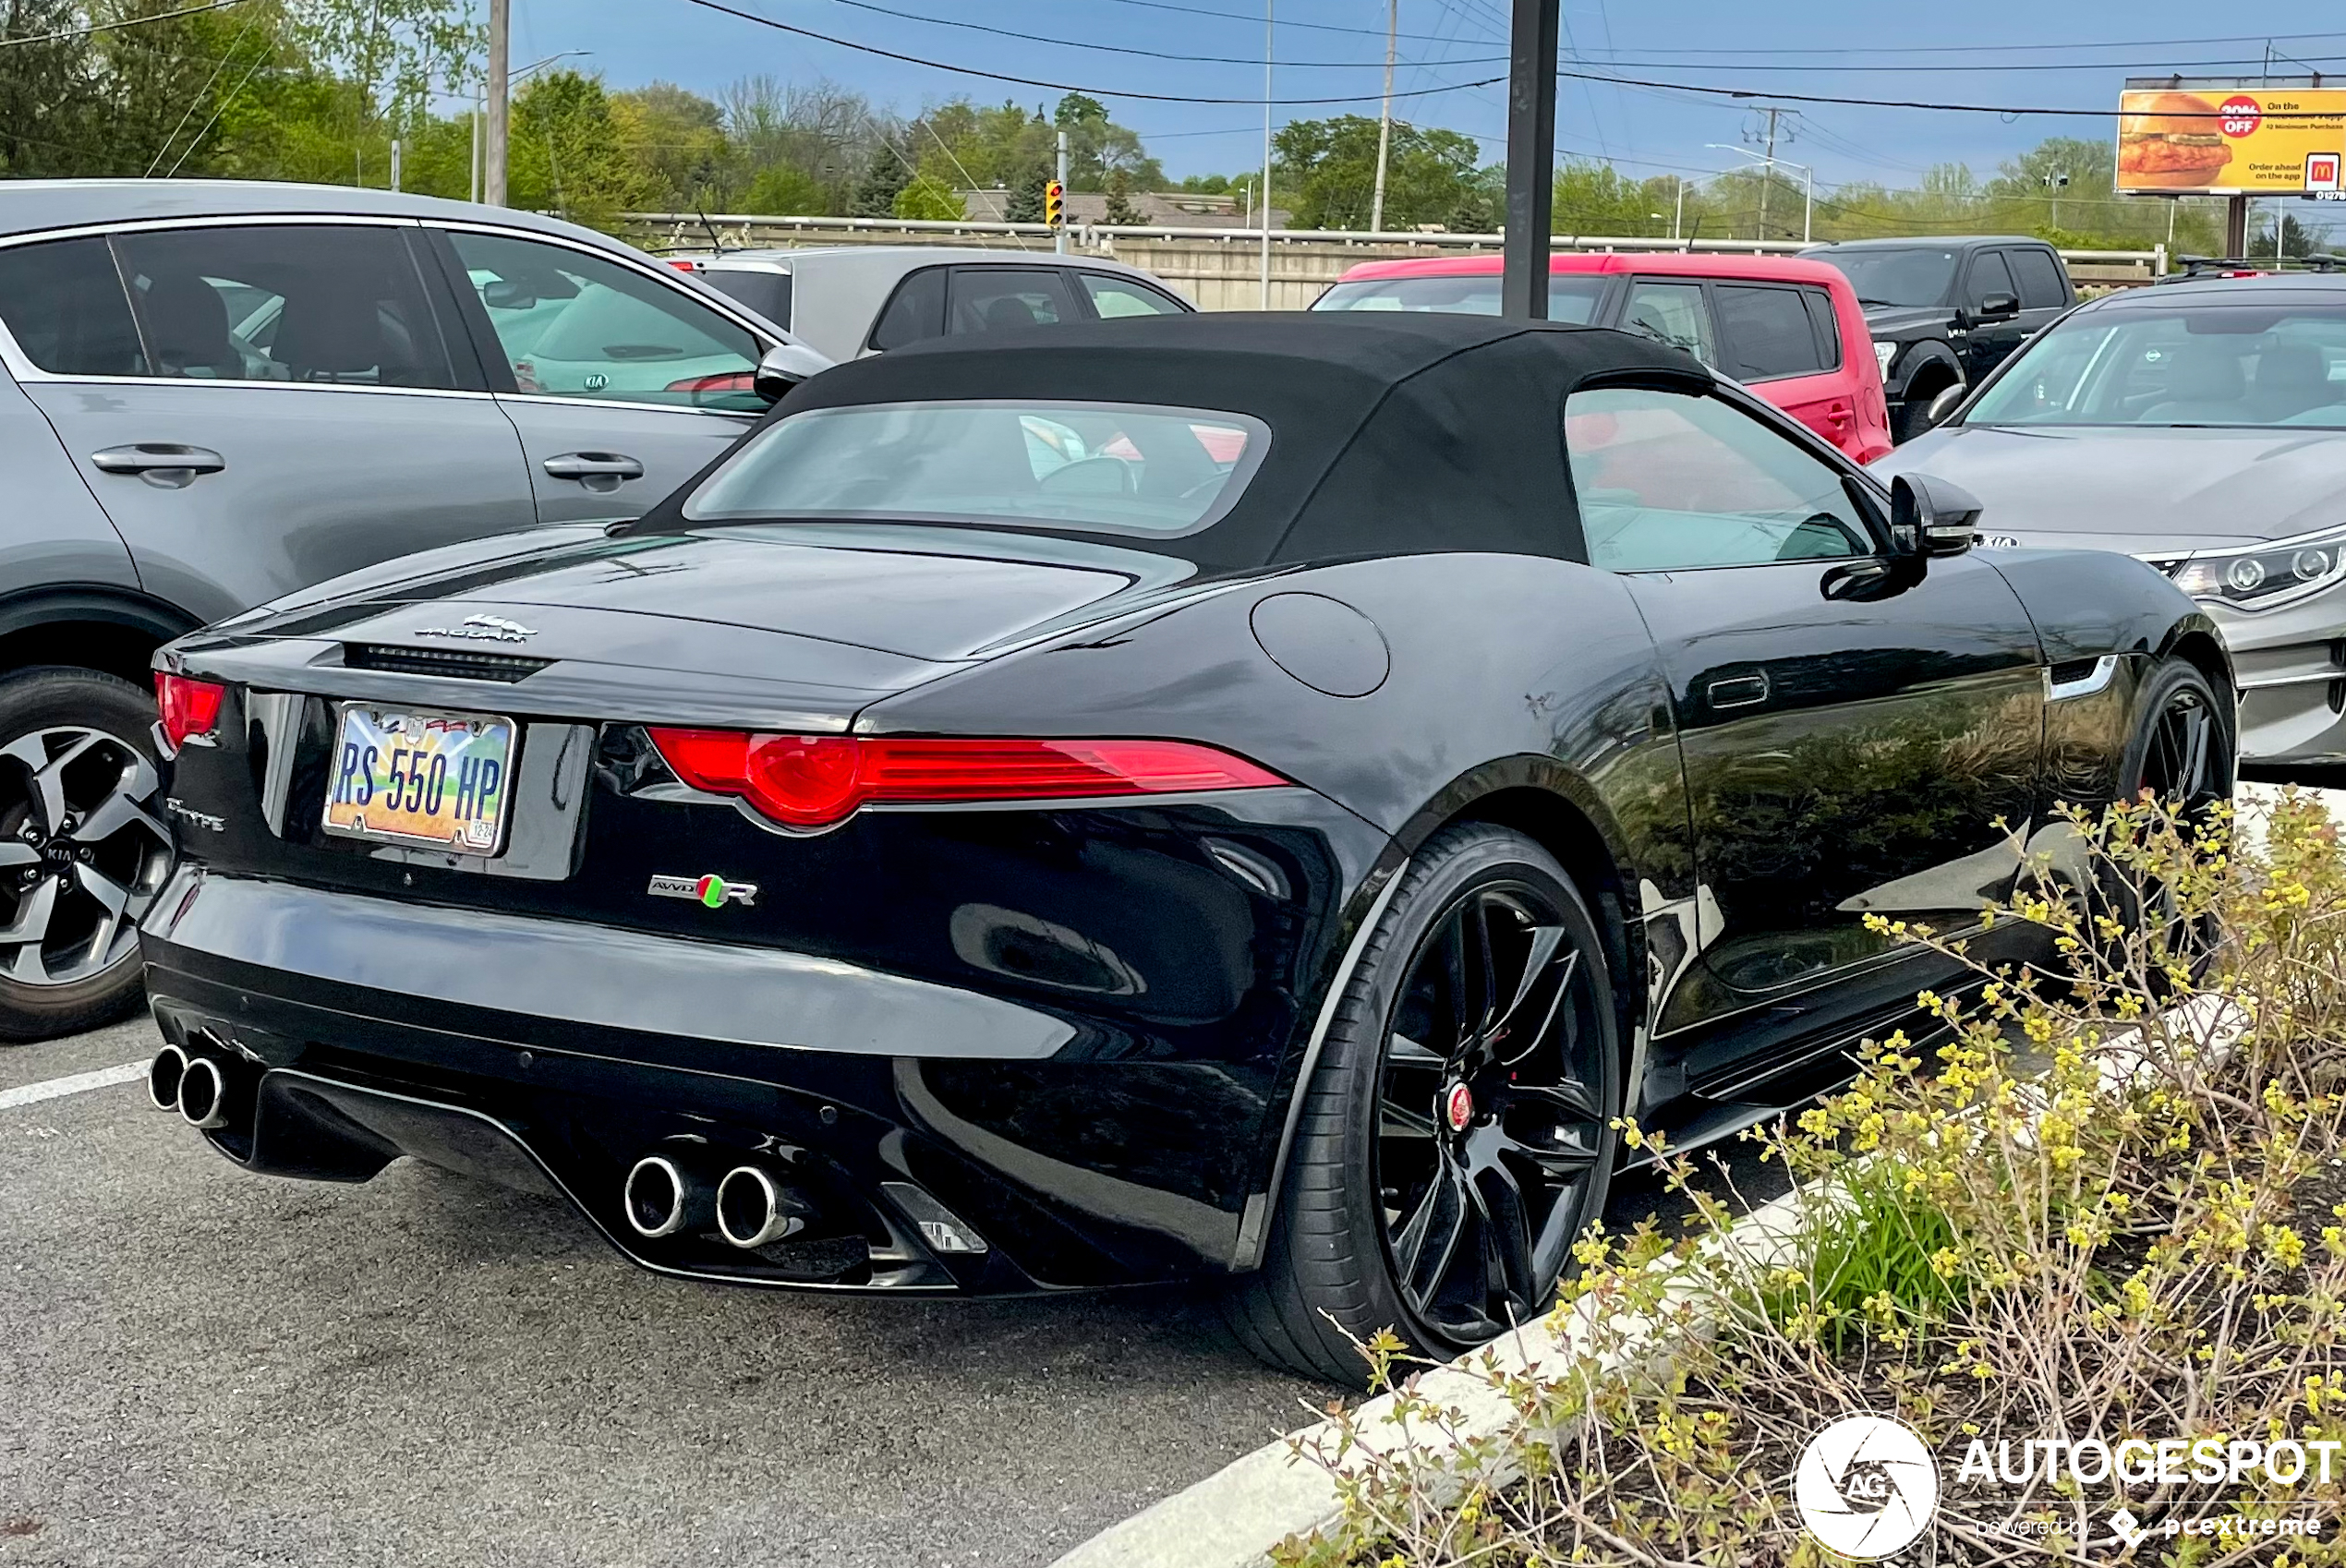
815,781
729,382
684,266
189,707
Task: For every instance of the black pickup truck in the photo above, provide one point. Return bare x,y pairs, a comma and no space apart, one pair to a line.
1944,312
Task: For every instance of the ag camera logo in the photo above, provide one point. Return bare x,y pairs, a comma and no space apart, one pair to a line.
1865,1486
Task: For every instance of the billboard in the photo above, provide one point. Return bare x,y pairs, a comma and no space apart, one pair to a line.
2231,140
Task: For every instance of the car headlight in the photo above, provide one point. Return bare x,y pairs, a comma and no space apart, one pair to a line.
2267,575
1883,353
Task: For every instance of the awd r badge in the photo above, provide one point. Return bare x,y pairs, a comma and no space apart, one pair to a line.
713,891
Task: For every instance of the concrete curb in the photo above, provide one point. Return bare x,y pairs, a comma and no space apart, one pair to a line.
1235,1516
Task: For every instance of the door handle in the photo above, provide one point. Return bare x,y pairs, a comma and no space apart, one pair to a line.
601,471
1737,690
165,465
1839,414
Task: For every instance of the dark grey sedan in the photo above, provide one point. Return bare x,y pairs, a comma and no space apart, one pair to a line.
2201,427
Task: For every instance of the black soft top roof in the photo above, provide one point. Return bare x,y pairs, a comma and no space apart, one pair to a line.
1390,434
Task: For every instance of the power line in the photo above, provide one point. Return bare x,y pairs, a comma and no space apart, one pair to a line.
1067,87
1152,54
128,22
2005,109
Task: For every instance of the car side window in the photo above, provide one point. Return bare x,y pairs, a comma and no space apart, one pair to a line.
2039,277
64,307
1672,313
571,324
324,304
1988,276
914,312
1669,481
1112,296
1823,321
1768,332
993,299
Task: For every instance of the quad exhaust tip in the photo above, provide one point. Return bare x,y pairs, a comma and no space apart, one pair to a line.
203,1094
661,1198
163,1076
754,1210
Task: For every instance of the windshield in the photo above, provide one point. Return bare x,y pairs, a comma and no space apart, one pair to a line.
2252,365
1921,276
1112,468
1572,300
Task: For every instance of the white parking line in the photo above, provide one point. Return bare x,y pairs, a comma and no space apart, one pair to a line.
57,1088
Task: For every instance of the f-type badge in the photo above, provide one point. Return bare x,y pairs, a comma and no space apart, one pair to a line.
713,891
481,629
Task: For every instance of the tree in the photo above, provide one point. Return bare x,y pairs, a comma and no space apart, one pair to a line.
1121,211
885,176
565,154
929,197
1328,171
1097,147
1026,197
678,137
784,190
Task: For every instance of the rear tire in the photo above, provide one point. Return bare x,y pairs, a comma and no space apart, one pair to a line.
83,849
1456,1132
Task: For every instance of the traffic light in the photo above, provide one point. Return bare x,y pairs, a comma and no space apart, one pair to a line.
1055,204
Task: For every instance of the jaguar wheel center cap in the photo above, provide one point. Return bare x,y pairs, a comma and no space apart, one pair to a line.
1458,1106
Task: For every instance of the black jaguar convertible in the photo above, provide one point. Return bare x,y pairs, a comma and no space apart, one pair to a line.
1247,796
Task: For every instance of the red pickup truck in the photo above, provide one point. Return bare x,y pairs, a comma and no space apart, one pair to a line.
1790,329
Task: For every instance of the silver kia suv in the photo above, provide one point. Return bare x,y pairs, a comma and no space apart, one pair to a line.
213,393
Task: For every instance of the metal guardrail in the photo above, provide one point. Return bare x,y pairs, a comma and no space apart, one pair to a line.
688,231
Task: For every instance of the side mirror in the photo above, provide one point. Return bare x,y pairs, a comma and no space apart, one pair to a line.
1931,516
786,365
1999,307
1939,406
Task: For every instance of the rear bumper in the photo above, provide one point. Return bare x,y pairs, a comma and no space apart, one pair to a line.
554,1056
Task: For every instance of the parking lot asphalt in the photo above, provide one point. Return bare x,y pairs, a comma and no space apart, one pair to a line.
204,1367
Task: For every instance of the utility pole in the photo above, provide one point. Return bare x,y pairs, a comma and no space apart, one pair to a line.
474,164
1059,241
1384,117
1768,175
493,183
1263,302
394,163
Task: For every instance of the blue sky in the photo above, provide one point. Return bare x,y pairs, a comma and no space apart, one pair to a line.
1722,43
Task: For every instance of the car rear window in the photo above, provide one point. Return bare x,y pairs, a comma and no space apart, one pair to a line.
1115,468
766,293
1572,300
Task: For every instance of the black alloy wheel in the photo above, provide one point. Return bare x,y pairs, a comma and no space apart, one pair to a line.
1491,1118
2182,754
1457,1137
83,849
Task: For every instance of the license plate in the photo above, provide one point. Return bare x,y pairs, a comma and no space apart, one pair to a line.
416,776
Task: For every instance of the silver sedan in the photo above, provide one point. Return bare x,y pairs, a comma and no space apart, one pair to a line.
2202,429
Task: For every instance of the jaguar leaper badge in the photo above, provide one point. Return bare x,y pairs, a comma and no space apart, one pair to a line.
713,891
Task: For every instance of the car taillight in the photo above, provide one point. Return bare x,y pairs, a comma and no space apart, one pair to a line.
729,382
189,707
684,266
815,781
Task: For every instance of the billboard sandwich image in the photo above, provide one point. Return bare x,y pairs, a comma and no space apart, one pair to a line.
2170,141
